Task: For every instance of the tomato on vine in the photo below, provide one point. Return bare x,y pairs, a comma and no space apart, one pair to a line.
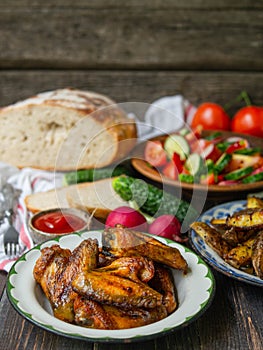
249,120
212,117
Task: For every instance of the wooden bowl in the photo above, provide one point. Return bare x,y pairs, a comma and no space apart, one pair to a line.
213,193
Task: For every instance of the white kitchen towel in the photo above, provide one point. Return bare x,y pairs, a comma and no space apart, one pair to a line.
165,115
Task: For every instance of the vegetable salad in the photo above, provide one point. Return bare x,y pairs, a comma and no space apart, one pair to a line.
213,160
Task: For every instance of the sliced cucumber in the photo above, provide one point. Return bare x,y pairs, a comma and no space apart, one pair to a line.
194,164
222,146
253,178
210,165
222,162
177,144
213,136
239,173
248,151
186,178
184,131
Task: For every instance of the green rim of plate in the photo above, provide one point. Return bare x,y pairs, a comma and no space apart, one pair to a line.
138,337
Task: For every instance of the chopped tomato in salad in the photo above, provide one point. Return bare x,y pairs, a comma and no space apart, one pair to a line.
155,154
214,160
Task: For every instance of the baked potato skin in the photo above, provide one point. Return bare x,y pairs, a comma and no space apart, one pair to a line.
257,255
238,238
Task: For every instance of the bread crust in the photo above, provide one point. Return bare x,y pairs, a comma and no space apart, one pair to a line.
98,109
92,197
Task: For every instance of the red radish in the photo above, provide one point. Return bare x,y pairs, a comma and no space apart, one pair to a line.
167,226
127,217
227,183
258,170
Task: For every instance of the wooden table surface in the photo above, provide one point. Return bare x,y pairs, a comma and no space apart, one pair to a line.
233,321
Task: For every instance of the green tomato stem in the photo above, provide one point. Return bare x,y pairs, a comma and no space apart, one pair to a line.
242,96
246,98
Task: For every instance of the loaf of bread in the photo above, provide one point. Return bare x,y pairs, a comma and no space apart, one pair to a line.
65,129
97,198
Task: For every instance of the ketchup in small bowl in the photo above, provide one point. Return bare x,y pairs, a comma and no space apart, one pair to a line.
48,224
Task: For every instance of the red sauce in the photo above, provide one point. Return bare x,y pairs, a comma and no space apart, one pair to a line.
59,222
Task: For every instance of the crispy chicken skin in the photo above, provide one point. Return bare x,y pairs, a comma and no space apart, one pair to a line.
120,241
92,289
48,268
114,290
89,313
133,267
57,267
92,314
162,281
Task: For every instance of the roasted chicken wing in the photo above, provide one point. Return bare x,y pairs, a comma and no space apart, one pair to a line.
55,270
111,289
133,267
92,314
120,241
95,289
163,282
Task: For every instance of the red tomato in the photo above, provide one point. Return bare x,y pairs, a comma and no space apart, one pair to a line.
208,180
194,134
199,145
249,120
174,167
212,117
211,152
170,171
155,154
236,146
177,162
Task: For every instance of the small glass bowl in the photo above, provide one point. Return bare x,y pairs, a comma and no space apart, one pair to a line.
40,236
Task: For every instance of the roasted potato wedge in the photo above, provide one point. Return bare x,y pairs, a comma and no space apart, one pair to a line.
219,222
238,238
254,202
212,237
257,255
247,219
240,255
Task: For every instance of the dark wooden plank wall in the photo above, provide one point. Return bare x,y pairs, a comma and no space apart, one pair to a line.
132,50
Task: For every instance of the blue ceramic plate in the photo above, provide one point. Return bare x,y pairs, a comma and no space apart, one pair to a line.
209,255
195,293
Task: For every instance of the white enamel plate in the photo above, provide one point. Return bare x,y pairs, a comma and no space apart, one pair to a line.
195,293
